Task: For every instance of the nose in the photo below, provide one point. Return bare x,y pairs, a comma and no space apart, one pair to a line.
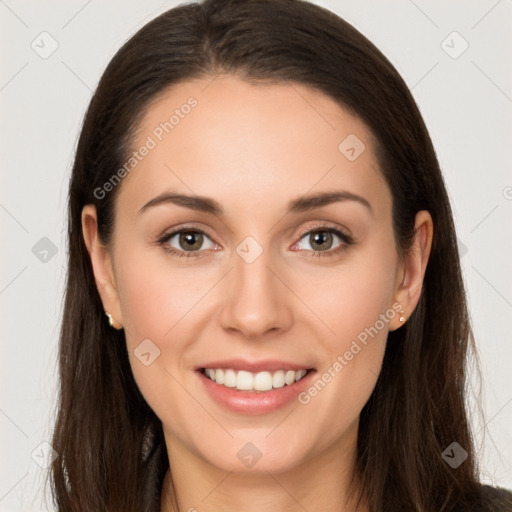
257,302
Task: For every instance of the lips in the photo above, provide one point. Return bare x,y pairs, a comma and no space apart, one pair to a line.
254,387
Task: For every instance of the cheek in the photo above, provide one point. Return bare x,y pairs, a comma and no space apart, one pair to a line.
351,296
155,297
357,309
155,300
160,304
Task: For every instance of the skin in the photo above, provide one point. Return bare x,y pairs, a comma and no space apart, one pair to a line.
254,148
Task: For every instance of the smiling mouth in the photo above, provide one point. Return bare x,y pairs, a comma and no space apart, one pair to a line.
242,380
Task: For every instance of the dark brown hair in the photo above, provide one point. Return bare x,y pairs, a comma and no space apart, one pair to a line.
112,455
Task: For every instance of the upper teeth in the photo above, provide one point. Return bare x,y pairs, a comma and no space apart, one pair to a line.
247,381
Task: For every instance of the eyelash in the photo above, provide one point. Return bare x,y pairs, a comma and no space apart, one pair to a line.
347,241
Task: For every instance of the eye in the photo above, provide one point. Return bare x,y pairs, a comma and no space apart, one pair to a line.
321,240
188,241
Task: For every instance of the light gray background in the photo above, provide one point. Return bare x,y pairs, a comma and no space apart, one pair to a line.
467,105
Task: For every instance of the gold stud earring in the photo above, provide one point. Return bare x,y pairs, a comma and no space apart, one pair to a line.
112,322
402,317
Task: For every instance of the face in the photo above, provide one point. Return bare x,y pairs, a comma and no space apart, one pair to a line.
250,280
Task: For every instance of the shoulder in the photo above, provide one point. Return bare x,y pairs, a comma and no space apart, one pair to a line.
496,499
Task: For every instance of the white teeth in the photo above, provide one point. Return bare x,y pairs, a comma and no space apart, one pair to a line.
300,374
263,381
229,378
289,378
278,379
248,381
244,380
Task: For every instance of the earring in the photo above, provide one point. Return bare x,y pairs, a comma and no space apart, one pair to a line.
112,322
402,317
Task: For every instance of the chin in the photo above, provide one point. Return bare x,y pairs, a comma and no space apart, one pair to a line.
261,455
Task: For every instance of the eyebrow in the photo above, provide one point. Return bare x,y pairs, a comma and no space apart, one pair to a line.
298,205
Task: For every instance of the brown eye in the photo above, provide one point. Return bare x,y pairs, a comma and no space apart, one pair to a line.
190,240
186,242
321,240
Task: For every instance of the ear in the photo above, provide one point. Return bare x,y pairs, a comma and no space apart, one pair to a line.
101,261
412,269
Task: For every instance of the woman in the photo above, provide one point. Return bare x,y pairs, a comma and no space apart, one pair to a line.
207,362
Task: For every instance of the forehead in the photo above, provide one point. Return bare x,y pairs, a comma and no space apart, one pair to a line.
246,144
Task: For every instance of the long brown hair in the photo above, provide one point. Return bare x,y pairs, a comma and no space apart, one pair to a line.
111,451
